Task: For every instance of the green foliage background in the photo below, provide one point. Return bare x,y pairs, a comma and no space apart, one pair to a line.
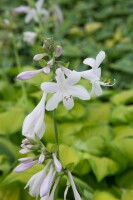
96,135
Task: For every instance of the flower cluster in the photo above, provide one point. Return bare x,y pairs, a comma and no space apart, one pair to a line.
64,88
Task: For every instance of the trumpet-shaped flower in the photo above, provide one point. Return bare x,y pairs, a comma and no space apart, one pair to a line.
64,90
76,194
36,181
94,74
47,182
33,13
34,122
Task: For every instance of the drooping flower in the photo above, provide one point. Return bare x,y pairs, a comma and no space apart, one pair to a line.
94,74
33,13
57,163
51,195
29,37
47,182
64,90
36,181
75,192
34,122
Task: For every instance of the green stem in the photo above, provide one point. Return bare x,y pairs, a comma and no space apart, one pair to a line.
56,132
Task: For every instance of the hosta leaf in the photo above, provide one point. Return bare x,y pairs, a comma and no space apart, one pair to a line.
125,180
124,97
104,195
127,195
11,121
103,166
122,115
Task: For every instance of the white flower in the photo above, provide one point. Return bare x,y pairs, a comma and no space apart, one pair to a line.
33,13
64,90
34,122
36,181
51,196
76,194
47,183
29,37
57,163
94,63
94,74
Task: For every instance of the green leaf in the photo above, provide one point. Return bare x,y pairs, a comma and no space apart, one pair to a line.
104,195
42,62
103,166
127,195
125,180
124,97
122,115
72,155
11,121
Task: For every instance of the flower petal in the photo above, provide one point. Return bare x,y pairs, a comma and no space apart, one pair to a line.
96,88
49,87
36,181
51,197
39,5
73,78
68,102
54,101
60,76
87,74
80,92
29,16
99,58
90,61
47,183
34,122
76,194
46,70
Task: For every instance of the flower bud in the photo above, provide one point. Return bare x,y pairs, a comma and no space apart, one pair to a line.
41,158
38,56
50,63
24,166
58,51
46,70
28,74
57,164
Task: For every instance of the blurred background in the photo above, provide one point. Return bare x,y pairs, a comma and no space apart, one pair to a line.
96,135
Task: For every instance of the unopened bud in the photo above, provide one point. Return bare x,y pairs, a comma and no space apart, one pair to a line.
28,74
41,158
58,51
38,56
57,163
50,63
46,70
